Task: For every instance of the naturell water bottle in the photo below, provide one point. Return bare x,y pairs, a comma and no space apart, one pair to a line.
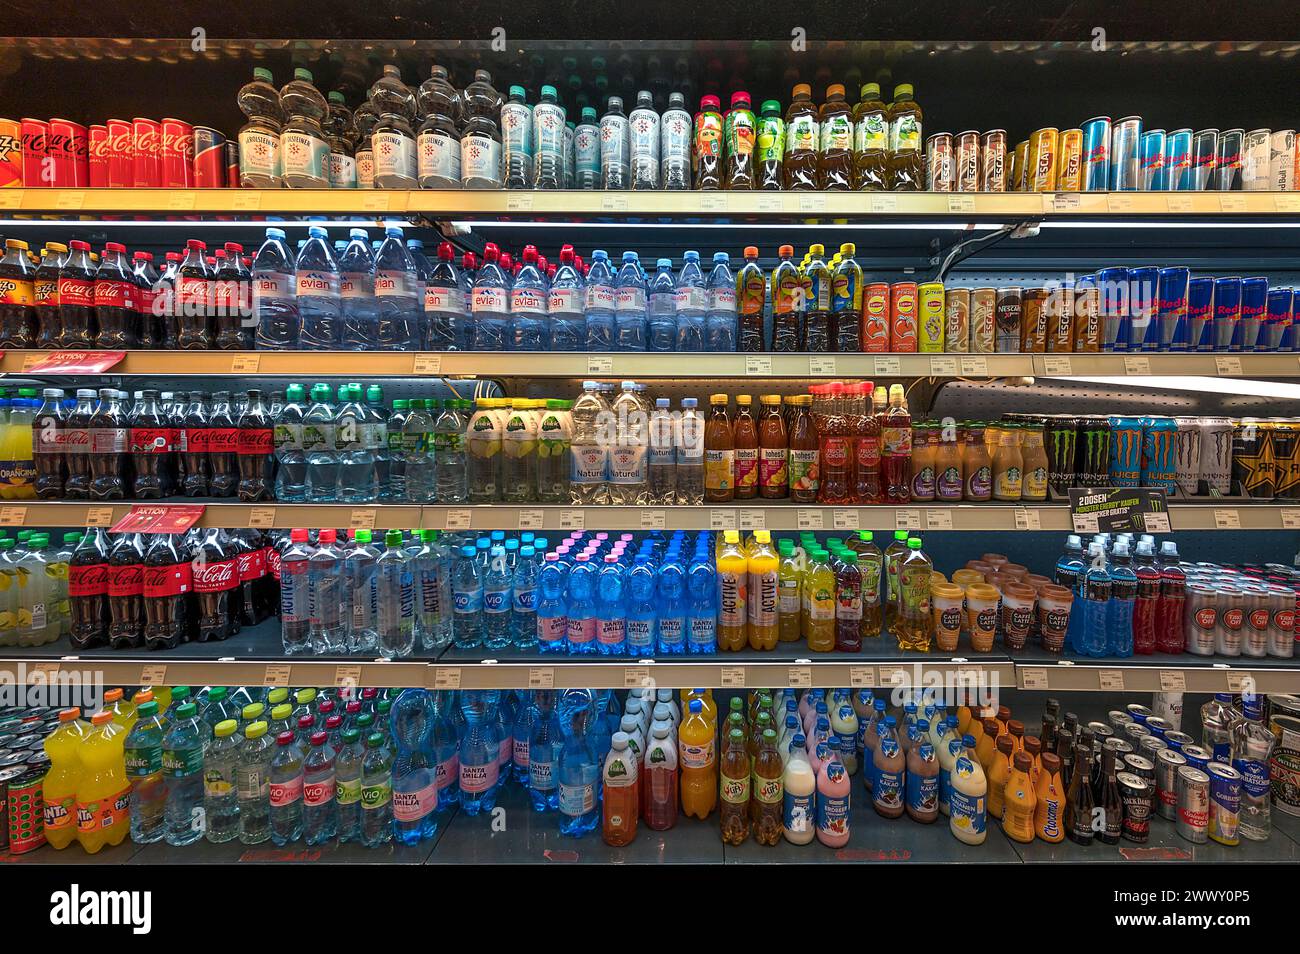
675,145
548,141
720,331
600,302
357,293
396,618
689,438
614,146
400,303
692,304
586,152
644,137
319,304
275,301
589,448
528,304
662,325
630,306
444,304
663,456
489,303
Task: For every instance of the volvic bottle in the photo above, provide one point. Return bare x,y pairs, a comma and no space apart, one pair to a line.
259,139
480,141
437,145
517,140
304,153
615,146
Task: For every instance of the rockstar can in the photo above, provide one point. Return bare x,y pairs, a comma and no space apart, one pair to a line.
1252,458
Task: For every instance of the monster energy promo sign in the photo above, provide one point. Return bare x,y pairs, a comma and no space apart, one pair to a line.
1119,509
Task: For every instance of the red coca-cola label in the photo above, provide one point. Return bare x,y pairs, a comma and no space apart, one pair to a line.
255,440
191,290
151,440
112,293
215,576
223,440
76,291
273,562
88,579
1233,618
868,451
1205,617
160,581
252,566
1259,619
195,440
125,580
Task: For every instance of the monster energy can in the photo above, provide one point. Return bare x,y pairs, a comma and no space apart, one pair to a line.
1125,451
1187,454
1062,437
1092,454
1216,455
1158,468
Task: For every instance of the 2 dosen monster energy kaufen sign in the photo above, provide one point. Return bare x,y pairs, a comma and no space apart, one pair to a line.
1119,509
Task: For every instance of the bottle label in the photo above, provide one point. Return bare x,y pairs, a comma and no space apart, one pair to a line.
630,299
250,783
848,602
109,293
772,470
516,129
259,154
304,155
695,756
143,761
480,158
967,812
641,636
589,464
255,440
600,297
216,576
837,133
628,464
789,598
528,300
611,632
376,794
108,440
833,815
643,130
104,814
519,752
691,298
125,579
802,135
582,630
798,812
87,580
47,293
551,629
887,787
922,793
365,167
905,134
525,601
732,598
675,136
496,601
746,467
446,773
285,437
475,778
614,142
342,171
393,283
318,285
411,806
269,285
1254,777
178,763
548,133
486,299
163,581
896,441
803,470
437,298
762,596
704,631
586,151
541,775
821,604
437,156
564,300
151,440
320,791
722,299
577,799
734,791
871,133
836,451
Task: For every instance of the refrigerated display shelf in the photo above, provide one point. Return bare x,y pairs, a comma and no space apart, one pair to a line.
1037,669
1164,844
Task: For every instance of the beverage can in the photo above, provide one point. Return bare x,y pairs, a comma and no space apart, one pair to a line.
97,156
903,317
1205,154
1227,311
1058,310
967,161
11,154
1159,461
1256,160
1143,329
1069,166
209,158
232,164
1281,161
1095,175
1167,764
939,172
1217,447
1280,328
1227,175
1178,160
1044,146
1093,462
177,154
1113,284
35,137
1225,803
1125,138
68,154
25,808
1009,307
956,323
1136,795
1187,454
1171,308
1285,447
1254,297
1125,467
1033,321
1200,313
875,318
1019,172
1193,793
993,160
1151,161
983,320
930,318
1087,316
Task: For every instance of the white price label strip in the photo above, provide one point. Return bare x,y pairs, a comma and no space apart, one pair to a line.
811,520
153,676
1227,520
636,677
1057,366
938,520
800,677
907,519
732,677
541,678
1110,680
1173,680
458,519
1033,678
722,520
533,518
846,520
862,677
753,519
818,367
1030,519
654,520
347,676
276,677
573,520
446,678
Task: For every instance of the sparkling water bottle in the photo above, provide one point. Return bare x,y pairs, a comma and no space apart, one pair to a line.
358,477
611,608
479,751
675,127
641,608
320,447
396,616
415,799
295,595
359,592
376,793
548,141
286,786
328,633
347,770
517,140
552,614
586,152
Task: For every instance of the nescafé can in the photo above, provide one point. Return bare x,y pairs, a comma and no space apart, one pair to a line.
1009,306
1069,166
1059,311
1087,316
1044,146
983,320
956,320
939,173
966,156
993,161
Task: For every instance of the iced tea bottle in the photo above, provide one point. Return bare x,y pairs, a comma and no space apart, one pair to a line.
767,792
870,141
738,133
733,789
835,155
744,438
819,603
733,581
867,488
892,557
896,448
848,604
846,302
802,140
836,449
751,295
818,286
870,564
914,624
719,453
787,303
773,451
906,162
789,581
770,146
805,452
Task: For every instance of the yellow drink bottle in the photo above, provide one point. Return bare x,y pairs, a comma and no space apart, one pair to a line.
733,573
63,746
789,580
762,625
697,755
819,590
104,791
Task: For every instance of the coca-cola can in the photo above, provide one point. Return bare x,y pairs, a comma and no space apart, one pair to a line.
968,161
177,154
69,155
993,161
209,158
938,163
97,147
36,144
232,164
1282,161
11,154
121,154
147,154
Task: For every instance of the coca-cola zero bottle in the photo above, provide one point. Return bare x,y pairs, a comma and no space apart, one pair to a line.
194,448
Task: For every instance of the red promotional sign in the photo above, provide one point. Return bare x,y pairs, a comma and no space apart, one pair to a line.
76,362
159,518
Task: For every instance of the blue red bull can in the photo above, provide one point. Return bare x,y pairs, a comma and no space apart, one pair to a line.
1159,461
1125,142
1096,154
209,158
1171,308
1278,332
1200,313
1205,153
1125,468
1113,283
1178,160
1151,161
1144,330
1227,312
1254,298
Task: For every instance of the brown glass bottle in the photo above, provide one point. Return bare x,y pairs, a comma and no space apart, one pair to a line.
773,451
1079,803
1112,805
835,155
802,140
871,141
906,162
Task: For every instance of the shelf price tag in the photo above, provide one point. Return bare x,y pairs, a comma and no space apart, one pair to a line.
1227,520
818,367
99,516
1137,364
276,677
263,518
13,516
1287,203
943,367
532,518
732,677
1065,202
812,203
845,520
600,365
1110,680
1054,366
458,520
1173,680
654,520
1119,202
541,677
1157,522
800,677
345,676
1033,677
519,202
938,520
753,519
907,519
889,367
573,520
713,202
362,519
45,672
66,200
811,520
11,199
961,203
1239,681
446,677
1082,522
1290,518
1232,203
722,520
862,677
1227,365
892,676
374,202
427,364
768,203
1180,203
977,367
245,363
637,677
758,365
153,675
1026,519
613,203
884,203
248,200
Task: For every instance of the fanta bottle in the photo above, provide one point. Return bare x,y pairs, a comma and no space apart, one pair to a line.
104,792
698,759
63,746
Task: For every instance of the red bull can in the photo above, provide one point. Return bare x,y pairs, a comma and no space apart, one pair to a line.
1144,330
1282,161
1159,467
1276,335
1205,153
1151,161
1178,160
1254,298
1096,154
1171,308
1227,161
1227,312
1125,143
1125,466
1113,284
1200,313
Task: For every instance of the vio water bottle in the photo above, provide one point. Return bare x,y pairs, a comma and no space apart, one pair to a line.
497,600
524,587
467,601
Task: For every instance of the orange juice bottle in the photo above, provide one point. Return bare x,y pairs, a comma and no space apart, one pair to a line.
104,792
762,625
698,760
733,580
63,746
706,697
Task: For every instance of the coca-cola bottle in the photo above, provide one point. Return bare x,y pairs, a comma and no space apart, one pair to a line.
194,448
152,450
49,435
126,592
167,592
250,554
216,582
76,446
234,301
256,449
116,308
77,298
88,590
17,297
223,447
174,405
194,299
108,447
165,300
49,326
146,296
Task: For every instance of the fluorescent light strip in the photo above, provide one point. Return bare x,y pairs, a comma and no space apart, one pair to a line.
188,224
747,226
1246,386
1139,224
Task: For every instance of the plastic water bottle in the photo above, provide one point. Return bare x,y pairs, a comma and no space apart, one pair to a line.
320,447
320,809
586,151
692,303
295,595
182,765
720,331
582,607
588,448
611,609
662,326
600,302
376,793
663,456
630,306
669,594
290,457
286,789
615,146
480,751
359,594
275,302
328,633
689,437
319,305
641,609
357,478
528,303
1123,594
523,625
444,742
517,140
548,141
541,735
1096,603
629,459
415,798
397,294
643,129
578,765
253,782
489,303
444,304
467,601
259,139
552,612
675,128
432,592
449,454
565,305
304,152
357,291
144,767
396,616
347,771
497,600
375,430
220,795
702,590
415,440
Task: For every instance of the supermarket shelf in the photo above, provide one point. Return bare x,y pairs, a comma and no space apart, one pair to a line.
1163,844
1036,669
567,204
1146,364
227,515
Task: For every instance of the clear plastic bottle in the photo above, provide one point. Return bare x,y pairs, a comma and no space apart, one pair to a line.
253,784
630,316
615,146
259,139
661,330
449,460
360,310
415,439
611,609
1123,595
720,325
328,632
318,293
286,787
523,623
444,304
321,447
376,793
347,772
144,767
490,303
339,133
702,605
528,305
675,145
358,478
517,140
548,136
480,141
220,783
586,152
397,293
568,330
393,143
359,594
304,153
182,765
320,807
692,300
396,616
479,751
275,294
484,438
663,456
689,440
629,463
600,302
467,601
579,769
589,453
644,142
437,144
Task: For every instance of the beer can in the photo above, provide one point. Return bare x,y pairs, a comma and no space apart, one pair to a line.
1178,160
11,154
176,151
1193,804
1254,298
1092,463
1069,166
1143,329
1007,317
1113,284
902,317
939,175
1216,454
1225,804
121,154
1227,311
146,154
1227,161
1171,308
1044,147
1197,756
1200,313
1139,712
25,808
930,317
1286,462
1125,466
1205,154
1125,142
1282,161
993,159
983,320
1151,161
68,154
1096,154
875,318
1061,436
1087,316
956,320
966,161
1232,620
97,156
1187,454
232,164
1136,795
1159,466
1136,732
1019,174
1168,762
1256,160
1118,718
1059,311
35,148
209,165
1281,632
1033,321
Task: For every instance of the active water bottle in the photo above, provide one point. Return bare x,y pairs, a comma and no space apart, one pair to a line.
692,303
600,302
397,294
720,331
275,302
319,304
433,592
661,328
630,306
295,595
359,592
396,616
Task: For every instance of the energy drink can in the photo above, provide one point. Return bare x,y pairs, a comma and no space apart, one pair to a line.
1286,442
1282,161
1187,454
1205,154
1254,297
939,172
1033,321
1059,311
1125,141
1069,166
1044,145
1193,788
1151,161
1096,154
1255,160
875,318
1178,160
966,170
1277,323
1252,458
1225,804
1092,461
956,320
1062,437
1168,762
1113,283
11,154
1216,454
1227,161
930,317
1144,330
1087,316
1200,313
1159,460
1009,302
983,320
902,317
1171,308
1125,466
1227,312
993,161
